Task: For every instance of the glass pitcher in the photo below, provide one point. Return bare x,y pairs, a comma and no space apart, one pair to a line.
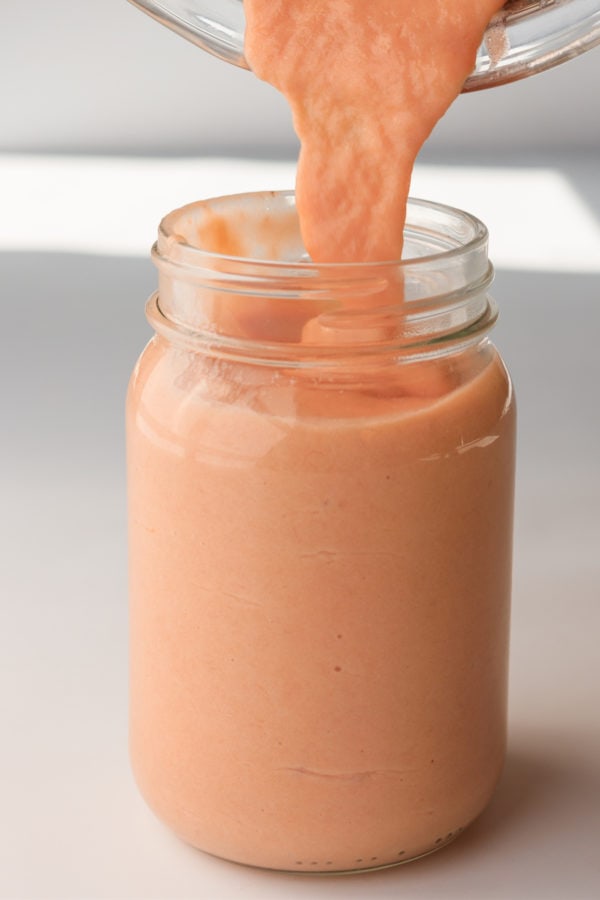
525,37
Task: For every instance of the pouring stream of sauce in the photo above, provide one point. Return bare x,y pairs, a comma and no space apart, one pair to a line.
367,82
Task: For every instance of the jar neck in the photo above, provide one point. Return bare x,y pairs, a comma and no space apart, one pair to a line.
234,281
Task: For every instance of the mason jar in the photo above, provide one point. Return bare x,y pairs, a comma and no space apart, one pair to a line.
320,469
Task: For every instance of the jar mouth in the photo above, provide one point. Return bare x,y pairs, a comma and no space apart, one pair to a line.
234,278
182,239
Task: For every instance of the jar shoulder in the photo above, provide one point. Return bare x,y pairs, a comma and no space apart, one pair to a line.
419,409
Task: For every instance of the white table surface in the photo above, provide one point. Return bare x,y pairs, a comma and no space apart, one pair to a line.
71,822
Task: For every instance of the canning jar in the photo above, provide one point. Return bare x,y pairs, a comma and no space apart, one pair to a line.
320,468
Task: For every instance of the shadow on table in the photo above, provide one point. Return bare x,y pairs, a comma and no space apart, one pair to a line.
545,818
532,786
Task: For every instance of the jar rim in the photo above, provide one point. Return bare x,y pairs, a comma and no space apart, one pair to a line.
245,303
170,238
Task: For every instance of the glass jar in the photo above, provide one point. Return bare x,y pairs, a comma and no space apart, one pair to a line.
525,37
320,467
